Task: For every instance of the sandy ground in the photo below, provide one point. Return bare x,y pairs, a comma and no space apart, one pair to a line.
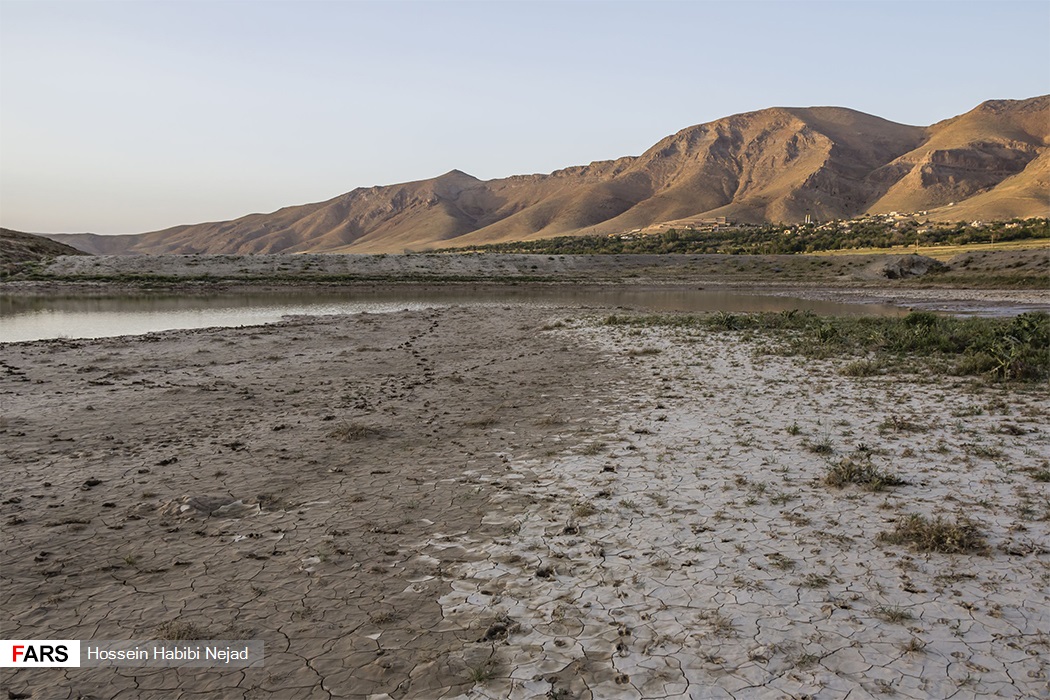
514,503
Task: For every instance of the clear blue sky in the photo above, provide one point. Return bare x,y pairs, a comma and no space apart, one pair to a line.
121,117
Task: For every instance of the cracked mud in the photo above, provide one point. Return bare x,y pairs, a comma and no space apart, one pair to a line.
515,503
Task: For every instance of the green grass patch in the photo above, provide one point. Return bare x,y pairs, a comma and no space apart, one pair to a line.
1005,349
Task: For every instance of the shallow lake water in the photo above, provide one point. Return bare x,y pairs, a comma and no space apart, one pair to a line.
43,317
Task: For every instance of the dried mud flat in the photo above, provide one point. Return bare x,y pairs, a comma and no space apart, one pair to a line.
516,503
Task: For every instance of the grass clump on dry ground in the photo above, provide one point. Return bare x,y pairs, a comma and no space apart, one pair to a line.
937,535
860,471
179,630
892,613
1005,349
349,432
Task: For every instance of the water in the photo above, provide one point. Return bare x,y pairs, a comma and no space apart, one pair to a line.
37,318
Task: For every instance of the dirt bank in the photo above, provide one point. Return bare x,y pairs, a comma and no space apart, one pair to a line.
989,269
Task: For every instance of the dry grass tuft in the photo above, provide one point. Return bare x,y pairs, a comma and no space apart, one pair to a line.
720,625
861,472
862,368
382,617
903,424
177,629
351,432
594,448
892,613
583,509
937,535
483,421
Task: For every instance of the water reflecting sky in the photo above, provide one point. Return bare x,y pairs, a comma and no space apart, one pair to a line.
43,317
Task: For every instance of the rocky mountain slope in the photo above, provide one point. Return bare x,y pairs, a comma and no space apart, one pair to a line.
777,164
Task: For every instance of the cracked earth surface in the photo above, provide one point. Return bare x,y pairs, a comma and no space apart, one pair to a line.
308,484
697,552
514,503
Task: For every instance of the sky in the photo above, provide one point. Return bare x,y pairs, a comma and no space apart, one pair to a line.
130,116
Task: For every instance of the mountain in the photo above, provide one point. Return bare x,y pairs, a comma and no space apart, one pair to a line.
972,154
777,165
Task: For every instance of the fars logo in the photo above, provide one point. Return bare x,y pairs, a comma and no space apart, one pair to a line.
40,653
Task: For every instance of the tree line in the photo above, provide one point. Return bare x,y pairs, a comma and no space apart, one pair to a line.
774,239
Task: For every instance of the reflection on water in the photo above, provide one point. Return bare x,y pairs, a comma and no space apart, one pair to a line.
37,318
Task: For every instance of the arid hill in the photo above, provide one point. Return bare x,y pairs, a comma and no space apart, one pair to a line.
973,155
17,247
776,165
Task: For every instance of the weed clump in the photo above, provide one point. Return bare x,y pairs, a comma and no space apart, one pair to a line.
862,368
860,471
382,617
937,535
583,509
594,448
351,432
486,421
720,625
914,646
892,613
902,424
823,446
177,629
814,580
483,673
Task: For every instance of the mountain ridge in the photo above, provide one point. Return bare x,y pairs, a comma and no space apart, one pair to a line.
773,165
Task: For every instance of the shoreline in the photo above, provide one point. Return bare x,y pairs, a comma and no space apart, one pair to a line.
982,282
949,300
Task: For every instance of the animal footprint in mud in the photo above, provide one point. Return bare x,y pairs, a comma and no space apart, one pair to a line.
623,679
499,630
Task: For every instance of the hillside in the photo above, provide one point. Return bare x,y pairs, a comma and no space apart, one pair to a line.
972,155
773,165
17,247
